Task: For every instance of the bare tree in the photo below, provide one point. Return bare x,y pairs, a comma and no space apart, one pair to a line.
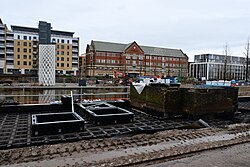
247,54
225,62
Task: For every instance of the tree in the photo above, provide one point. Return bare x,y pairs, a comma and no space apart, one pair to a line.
247,54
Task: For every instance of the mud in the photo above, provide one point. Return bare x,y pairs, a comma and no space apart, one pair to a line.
126,150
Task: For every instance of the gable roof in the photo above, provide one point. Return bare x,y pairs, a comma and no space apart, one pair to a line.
108,46
148,50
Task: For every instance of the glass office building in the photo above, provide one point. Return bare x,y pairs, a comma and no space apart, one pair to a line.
215,67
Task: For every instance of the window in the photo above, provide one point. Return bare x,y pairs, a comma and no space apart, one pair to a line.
62,64
30,63
29,56
18,62
24,37
68,41
57,59
62,41
18,49
62,58
58,41
18,43
58,52
62,52
25,63
57,64
34,37
67,53
62,46
29,37
57,46
18,37
67,58
24,56
25,50
29,50
18,56
29,44
67,64
68,47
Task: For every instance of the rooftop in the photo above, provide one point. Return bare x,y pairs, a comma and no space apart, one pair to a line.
148,50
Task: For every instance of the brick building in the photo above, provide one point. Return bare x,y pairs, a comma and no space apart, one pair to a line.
103,58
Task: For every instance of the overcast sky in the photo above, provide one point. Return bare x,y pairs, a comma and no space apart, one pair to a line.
195,26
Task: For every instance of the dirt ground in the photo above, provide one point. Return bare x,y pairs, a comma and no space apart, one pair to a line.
133,150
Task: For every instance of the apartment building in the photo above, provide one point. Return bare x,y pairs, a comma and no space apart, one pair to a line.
105,58
22,57
218,67
6,49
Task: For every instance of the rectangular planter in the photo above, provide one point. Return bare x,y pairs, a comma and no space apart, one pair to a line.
56,123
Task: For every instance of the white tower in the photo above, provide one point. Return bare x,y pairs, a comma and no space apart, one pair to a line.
47,64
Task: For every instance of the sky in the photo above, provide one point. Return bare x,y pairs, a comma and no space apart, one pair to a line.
194,26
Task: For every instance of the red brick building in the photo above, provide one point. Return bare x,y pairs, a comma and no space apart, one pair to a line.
103,58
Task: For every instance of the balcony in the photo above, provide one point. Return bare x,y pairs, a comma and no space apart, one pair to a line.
75,55
2,32
10,57
9,51
2,38
74,50
34,46
74,62
9,44
2,52
34,52
10,38
75,44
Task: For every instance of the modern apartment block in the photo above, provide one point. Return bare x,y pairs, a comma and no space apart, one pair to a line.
6,49
212,67
21,49
103,58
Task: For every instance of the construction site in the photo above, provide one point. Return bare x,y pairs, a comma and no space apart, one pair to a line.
155,126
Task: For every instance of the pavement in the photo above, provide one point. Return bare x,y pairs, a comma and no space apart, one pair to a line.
234,156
